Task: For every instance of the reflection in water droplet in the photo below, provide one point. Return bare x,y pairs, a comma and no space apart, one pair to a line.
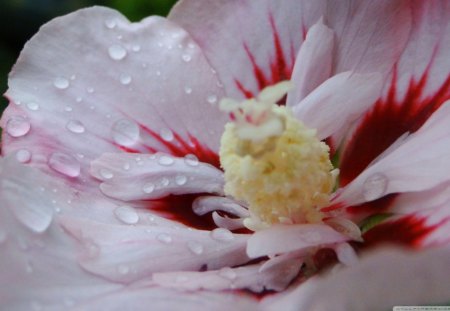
64,164
195,247
212,99
180,180
166,134
127,215
188,90
148,188
123,269
221,234
164,238
136,48
191,159
166,160
17,126
125,79
117,52
126,166
75,126
61,83
33,106
110,23
186,57
106,173
125,132
23,155
375,186
227,273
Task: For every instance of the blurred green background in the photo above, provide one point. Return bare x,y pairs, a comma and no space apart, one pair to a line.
21,19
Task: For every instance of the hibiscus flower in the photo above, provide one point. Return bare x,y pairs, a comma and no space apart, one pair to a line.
249,153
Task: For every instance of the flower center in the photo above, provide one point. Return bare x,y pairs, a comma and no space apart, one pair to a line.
273,162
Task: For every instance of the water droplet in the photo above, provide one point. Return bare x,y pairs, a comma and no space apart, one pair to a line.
23,155
180,180
186,57
125,132
191,45
68,109
90,90
79,99
127,215
125,79
117,52
375,186
136,47
73,77
164,238
212,99
227,273
61,83
158,73
33,106
126,166
195,247
166,160
64,164
148,188
123,269
165,182
191,159
110,23
188,90
75,126
17,126
221,234
166,134
92,249
106,173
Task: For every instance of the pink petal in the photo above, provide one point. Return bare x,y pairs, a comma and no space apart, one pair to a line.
266,56
106,85
338,102
287,238
141,177
129,253
401,278
398,171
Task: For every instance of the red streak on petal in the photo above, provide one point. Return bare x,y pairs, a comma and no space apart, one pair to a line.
246,92
387,121
408,231
380,205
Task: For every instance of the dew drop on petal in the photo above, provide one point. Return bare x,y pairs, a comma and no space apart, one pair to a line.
127,215
117,52
375,186
125,132
195,247
23,155
166,134
191,160
106,173
180,180
165,182
166,160
75,126
64,164
125,79
136,48
188,90
110,23
17,126
123,269
212,99
68,108
148,188
164,238
186,57
221,234
33,106
61,83
227,273
126,166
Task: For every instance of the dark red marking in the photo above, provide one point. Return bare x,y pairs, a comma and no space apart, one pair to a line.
407,231
279,68
387,121
378,206
179,147
324,258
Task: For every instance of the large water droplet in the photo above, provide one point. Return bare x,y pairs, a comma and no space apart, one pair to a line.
127,215
125,79
180,180
166,134
61,83
33,106
148,188
17,126
195,247
375,186
191,159
75,126
125,132
221,234
23,155
106,173
117,52
166,160
164,238
64,164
